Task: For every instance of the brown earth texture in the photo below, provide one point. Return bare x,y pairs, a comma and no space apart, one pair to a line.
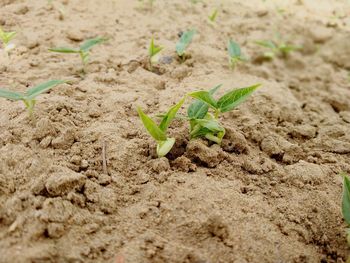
270,193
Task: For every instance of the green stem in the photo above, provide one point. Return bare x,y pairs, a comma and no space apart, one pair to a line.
213,138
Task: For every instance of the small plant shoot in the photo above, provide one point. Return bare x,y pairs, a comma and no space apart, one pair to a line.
158,132
6,38
212,17
235,54
183,43
206,124
83,50
346,203
29,97
276,48
153,52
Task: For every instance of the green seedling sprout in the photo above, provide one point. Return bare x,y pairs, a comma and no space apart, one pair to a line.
213,15
235,54
6,38
346,204
158,132
206,124
276,48
153,53
150,3
83,50
29,97
183,43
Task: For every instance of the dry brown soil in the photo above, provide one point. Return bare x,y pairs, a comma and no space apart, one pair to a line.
271,193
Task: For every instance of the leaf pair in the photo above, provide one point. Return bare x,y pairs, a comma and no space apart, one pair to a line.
153,52
275,48
29,96
204,124
158,132
183,42
235,53
213,15
6,38
83,50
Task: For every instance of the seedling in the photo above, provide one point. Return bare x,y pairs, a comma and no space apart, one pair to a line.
158,132
183,43
6,38
29,97
346,203
153,52
235,54
213,15
206,124
150,3
83,50
276,48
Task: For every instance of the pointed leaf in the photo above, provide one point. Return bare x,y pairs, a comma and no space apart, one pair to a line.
171,114
153,49
88,44
184,41
204,96
198,109
234,49
233,98
151,126
266,43
346,199
11,95
37,90
64,50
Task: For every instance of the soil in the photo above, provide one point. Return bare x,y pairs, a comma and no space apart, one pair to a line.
271,193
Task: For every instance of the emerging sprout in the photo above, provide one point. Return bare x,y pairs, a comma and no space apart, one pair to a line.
158,132
6,38
213,15
235,54
276,48
83,50
183,43
29,97
153,52
206,124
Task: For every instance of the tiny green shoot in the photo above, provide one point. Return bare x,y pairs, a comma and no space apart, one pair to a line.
183,43
206,124
6,38
158,132
346,203
153,52
235,54
213,15
276,48
83,50
29,97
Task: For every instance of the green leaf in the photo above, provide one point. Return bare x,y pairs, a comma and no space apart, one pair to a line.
151,126
266,43
213,16
346,199
37,90
66,50
234,49
233,98
6,37
184,41
198,109
171,114
153,49
88,44
211,125
11,95
164,147
204,96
